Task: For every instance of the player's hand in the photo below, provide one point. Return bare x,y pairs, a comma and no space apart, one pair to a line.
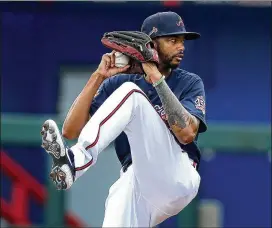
152,72
107,66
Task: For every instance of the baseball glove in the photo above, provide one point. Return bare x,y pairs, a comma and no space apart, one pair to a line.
137,45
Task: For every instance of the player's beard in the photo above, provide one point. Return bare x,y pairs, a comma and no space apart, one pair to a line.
167,60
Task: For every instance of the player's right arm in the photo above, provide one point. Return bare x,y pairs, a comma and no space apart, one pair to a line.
78,114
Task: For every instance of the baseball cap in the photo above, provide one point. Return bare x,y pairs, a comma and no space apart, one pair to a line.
166,24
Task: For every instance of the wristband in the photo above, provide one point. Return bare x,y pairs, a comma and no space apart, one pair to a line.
159,81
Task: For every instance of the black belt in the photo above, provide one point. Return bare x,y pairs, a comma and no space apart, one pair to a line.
125,166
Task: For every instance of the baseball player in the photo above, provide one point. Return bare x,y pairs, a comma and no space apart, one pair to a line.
154,122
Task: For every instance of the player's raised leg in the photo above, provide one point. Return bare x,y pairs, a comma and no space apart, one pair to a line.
158,162
163,172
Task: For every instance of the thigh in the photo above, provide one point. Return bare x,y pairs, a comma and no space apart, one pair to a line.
153,147
125,207
157,159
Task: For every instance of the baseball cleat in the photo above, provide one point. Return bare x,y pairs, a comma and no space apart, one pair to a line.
63,171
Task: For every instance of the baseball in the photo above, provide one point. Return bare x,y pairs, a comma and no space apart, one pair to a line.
121,60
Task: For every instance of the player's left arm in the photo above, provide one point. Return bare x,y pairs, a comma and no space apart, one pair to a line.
185,119
184,125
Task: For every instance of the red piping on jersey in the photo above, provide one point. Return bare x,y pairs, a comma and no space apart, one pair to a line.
84,166
105,120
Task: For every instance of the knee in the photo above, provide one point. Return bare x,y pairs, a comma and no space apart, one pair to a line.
128,87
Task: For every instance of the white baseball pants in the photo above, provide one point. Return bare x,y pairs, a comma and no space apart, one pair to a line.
161,180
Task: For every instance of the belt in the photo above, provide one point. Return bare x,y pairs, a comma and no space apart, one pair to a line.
125,167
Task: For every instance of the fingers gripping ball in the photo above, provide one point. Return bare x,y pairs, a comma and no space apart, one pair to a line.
121,60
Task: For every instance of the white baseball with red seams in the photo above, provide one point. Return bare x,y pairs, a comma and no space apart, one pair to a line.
121,60
161,180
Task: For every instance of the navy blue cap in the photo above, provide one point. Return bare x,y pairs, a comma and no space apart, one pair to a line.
166,24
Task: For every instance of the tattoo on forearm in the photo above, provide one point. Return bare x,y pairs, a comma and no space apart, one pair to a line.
176,113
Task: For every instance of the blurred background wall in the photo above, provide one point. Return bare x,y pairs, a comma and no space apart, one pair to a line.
50,49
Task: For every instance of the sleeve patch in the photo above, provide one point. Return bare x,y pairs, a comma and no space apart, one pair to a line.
200,104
